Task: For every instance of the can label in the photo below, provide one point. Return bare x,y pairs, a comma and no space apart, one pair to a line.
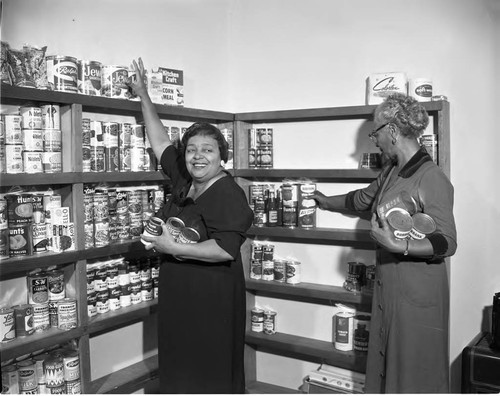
62,73
32,162
97,159
10,380
267,270
293,272
55,280
114,80
24,320
257,320
54,371
343,327
255,269
71,362
101,234
52,162
67,314
51,116
31,117
13,129
52,140
20,241
7,325
38,288
19,209
41,319
280,271
269,322
89,77
27,376
14,158
32,140
153,228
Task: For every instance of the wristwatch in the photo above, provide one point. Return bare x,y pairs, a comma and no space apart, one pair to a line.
405,253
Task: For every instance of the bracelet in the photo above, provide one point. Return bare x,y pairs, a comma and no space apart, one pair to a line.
405,253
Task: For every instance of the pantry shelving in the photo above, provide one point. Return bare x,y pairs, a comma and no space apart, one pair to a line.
286,344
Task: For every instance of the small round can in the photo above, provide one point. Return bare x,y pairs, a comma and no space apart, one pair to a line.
55,280
423,225
101,278
174,226
268,252
114,298
102,301
52,140
257,320
188,235
67,314
62,73
7,325
24,320
27,376
10,380
153,228
269,322
14,158
38,287
92,304
73,387
279,271
41,318
255,269
13,129
89,77
32,162
400,222
136,159
32,140
52,162
268,270
147,290
31,117
51,116
293,272
54,371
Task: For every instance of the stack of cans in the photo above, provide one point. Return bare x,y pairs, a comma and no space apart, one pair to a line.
12,144
260,148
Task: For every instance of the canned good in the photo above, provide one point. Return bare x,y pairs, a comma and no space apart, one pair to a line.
38,287
188,235
137,154
293,272
73,387
102,301
20,240
267,252
423,225
257,320
269,322
67,314
27,376
7,325
268,270
10,380
153,228
400,222
13,129
54,371
31,117
113,81
52,140
355,276
55,280
97,159
39,367
89,77
255,269
14,158
51,116
62,73
361,332
52,161
174,226
41,318
343,328
279,271
32,140
92,304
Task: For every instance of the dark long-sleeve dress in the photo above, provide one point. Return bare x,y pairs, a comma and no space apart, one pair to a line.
201,325
408,347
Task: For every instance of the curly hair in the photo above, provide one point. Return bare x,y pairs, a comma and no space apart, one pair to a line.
206,129
405,112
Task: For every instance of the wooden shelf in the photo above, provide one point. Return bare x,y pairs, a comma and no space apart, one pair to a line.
308,292
128,379
121,317
96,104
37,341
40,179
317,175
308,349
322,114
316,235
121,177
260,388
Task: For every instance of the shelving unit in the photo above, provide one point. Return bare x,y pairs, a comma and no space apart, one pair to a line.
72,179
303,348
71,182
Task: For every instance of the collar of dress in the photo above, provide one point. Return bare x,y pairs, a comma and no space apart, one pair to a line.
415,162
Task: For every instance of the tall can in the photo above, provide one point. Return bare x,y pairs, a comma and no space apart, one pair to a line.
31,117
67,315
24,320
113,81
10,380
7,325
89,77
343,328
38,287
62,73
28,382
51,116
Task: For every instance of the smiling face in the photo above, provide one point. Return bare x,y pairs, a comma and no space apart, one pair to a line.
203,160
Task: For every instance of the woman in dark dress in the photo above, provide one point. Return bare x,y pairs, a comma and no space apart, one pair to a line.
202,286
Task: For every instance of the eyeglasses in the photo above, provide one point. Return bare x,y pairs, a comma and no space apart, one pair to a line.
373,134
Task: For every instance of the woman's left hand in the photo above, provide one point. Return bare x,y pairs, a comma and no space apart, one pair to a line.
383,235
164,243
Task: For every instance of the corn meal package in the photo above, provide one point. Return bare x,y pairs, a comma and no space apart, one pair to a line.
381,85
173,86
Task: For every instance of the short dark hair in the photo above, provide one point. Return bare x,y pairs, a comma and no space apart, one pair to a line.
206,129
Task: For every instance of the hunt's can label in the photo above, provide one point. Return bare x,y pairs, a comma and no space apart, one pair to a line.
257,320
38,288
7,325
31,117
113,81
67,314
19,209
51,116
20,240
62,73
24,320
89,77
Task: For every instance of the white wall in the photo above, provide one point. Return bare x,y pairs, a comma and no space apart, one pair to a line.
254,55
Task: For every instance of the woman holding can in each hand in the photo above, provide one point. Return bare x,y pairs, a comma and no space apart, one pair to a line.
408,347
202,287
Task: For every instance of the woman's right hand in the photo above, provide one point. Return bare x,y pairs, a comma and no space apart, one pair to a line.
138,86
320,198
